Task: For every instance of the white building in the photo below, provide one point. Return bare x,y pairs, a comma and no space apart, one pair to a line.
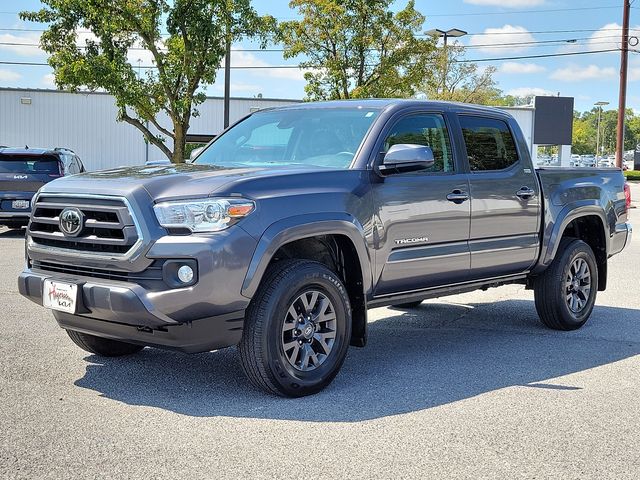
86,123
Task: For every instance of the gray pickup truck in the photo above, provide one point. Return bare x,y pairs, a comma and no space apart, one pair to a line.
292,223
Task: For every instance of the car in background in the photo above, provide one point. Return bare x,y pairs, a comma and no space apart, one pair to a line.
606,162
575,160
23,171
588,161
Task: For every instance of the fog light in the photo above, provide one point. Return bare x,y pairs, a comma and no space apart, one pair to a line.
185,274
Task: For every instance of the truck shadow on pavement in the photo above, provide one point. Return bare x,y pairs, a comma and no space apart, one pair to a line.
434,355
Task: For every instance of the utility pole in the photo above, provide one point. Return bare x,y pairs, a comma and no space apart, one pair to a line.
227,68
624,62
227,83
599,105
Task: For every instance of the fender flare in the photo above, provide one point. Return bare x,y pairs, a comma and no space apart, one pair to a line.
305,226
570,212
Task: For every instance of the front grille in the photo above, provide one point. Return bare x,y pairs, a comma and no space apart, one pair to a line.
108,224
150,279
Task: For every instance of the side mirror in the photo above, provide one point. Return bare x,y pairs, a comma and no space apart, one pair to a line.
406,157
194,153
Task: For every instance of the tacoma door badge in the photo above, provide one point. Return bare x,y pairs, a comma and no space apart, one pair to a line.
411,241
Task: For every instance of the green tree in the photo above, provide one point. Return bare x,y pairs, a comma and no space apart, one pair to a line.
584,134
185,38
358,48
585,128
459,81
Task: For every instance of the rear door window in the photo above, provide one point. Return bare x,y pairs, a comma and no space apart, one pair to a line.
490,145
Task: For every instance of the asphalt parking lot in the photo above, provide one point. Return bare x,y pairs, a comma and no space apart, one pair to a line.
470,386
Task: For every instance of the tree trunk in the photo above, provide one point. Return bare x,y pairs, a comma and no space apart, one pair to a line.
179,144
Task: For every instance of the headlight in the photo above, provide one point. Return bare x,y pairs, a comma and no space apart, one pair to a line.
203,215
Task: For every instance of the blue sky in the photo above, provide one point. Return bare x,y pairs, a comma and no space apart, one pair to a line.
492,25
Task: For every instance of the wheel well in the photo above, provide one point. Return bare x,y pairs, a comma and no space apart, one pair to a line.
339,254
590,230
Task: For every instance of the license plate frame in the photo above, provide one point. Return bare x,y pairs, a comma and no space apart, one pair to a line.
59,295
20,204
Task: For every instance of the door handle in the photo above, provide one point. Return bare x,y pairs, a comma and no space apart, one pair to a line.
525,193
458,196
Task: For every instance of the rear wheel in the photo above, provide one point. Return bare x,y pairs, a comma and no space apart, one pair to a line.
297,329
566,292
102,346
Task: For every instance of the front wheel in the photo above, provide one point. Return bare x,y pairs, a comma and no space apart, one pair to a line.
297,329
566,292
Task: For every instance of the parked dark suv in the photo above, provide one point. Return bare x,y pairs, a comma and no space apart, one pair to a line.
23,171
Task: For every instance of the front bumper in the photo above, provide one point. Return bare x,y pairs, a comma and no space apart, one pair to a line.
122,311
205,316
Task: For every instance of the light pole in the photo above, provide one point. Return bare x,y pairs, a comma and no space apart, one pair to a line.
599,105
453,33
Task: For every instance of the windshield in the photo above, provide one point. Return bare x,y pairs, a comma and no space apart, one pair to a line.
28,164
315,137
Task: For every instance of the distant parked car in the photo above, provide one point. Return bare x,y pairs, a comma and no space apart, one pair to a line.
23,171
575,160
588,161
606,163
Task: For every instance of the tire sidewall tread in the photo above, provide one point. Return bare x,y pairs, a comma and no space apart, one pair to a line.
260,352
549,292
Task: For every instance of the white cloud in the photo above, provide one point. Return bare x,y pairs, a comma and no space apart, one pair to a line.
236,88
507,3
25,45
499,40
576,73
240,58
521,68
606,38
527,91
49,81
9,76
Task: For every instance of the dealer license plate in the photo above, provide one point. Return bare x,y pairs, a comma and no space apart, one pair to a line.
60,296
20,204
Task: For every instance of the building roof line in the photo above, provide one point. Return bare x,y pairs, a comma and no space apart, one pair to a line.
89,92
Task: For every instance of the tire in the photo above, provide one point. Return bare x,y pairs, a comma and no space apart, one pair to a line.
102,346
15,226
276,346
408,305
561,296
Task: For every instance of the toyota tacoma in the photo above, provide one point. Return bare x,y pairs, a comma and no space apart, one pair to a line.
295,221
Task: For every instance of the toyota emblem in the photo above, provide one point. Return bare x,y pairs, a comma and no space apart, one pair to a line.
71,222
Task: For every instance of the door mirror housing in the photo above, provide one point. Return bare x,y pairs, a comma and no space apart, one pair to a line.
406,157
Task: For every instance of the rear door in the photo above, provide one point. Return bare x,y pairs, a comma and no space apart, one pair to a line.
505,199
422,228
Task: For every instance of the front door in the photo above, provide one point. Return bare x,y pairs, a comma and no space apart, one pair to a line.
505,199
422,224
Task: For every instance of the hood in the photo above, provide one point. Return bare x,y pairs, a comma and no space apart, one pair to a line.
161,182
